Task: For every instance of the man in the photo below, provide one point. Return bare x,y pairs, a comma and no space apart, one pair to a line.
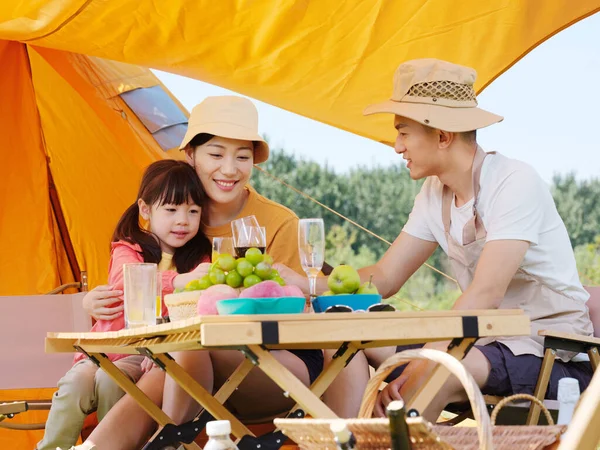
496,220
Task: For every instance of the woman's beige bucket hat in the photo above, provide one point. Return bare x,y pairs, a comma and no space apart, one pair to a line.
227,116
438,94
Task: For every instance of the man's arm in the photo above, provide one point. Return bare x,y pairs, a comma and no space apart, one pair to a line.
401,260
498,264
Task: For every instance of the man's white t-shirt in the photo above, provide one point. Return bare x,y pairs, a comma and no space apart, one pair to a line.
514,203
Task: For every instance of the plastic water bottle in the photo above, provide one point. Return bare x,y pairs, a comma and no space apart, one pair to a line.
568,396
344,438
218,432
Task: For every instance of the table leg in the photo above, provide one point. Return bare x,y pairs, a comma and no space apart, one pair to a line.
438,377
340,360
201,395
232,383
289,383
135,392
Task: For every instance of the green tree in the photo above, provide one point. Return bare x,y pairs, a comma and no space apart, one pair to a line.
578,203
588,262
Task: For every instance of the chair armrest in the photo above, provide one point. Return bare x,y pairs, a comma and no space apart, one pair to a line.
594,341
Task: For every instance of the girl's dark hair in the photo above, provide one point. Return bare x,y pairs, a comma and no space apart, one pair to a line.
165,182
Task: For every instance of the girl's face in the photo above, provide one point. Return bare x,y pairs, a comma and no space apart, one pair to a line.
224,167
174,225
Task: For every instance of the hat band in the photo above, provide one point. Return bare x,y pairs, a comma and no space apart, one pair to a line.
449,90
438,102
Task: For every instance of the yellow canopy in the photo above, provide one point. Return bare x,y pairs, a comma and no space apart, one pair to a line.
324,59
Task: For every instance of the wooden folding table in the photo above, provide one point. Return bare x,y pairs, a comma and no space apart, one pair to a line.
256,335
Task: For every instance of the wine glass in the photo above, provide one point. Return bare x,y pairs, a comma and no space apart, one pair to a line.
311,246
247,233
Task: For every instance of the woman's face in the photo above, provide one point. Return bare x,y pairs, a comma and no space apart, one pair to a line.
224,167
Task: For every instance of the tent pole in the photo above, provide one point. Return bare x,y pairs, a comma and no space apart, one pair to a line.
62,228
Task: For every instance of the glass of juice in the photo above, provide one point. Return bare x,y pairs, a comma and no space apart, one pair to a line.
222,245
139,293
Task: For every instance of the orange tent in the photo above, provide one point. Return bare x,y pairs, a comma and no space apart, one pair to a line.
72,151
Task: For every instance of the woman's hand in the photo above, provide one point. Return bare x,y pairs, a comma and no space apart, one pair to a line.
147,365
292,277
96,302
180,281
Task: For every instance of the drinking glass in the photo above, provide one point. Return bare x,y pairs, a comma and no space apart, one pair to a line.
222,245
311,246
247,233
139,293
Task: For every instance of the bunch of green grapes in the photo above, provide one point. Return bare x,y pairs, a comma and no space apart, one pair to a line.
253,268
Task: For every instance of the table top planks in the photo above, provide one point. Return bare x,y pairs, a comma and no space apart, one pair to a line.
296,331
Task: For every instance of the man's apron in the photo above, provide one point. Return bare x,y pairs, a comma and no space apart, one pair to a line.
547,308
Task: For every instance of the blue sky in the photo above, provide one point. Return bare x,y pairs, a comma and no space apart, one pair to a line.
550,101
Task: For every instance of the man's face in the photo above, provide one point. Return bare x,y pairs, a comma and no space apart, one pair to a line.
418,146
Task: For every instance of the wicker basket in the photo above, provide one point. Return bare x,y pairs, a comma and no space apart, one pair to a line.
373,434
182,305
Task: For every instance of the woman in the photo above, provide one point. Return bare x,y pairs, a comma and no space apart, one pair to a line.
222,144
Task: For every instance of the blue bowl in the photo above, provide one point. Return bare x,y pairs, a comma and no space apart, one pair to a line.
271,305
354,301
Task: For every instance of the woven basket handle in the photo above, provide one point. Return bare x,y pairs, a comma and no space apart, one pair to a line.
484,427
502,403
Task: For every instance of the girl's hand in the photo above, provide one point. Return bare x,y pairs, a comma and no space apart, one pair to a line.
292,277
147,365
96,302
181,280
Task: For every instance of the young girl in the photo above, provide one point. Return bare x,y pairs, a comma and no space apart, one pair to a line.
170,200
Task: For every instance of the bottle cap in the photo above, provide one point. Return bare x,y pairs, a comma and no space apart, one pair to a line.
568,390
218,428
395,405
340,430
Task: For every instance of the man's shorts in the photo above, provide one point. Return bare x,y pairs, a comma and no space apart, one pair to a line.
512,374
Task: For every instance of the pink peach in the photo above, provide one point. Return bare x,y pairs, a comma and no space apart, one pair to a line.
264,289
292,291
207,303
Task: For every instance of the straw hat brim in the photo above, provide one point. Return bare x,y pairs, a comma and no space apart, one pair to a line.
231,131
444,118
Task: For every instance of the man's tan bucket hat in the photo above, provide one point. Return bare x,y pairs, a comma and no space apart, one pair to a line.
227,116
438,94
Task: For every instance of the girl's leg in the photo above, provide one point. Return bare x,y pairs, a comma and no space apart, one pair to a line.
177,404
258,395
73,401
127,426
108,393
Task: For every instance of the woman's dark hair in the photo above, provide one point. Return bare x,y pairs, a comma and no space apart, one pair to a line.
203,138
200,139
165,182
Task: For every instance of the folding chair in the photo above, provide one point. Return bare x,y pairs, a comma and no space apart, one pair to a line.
25,321
555,340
